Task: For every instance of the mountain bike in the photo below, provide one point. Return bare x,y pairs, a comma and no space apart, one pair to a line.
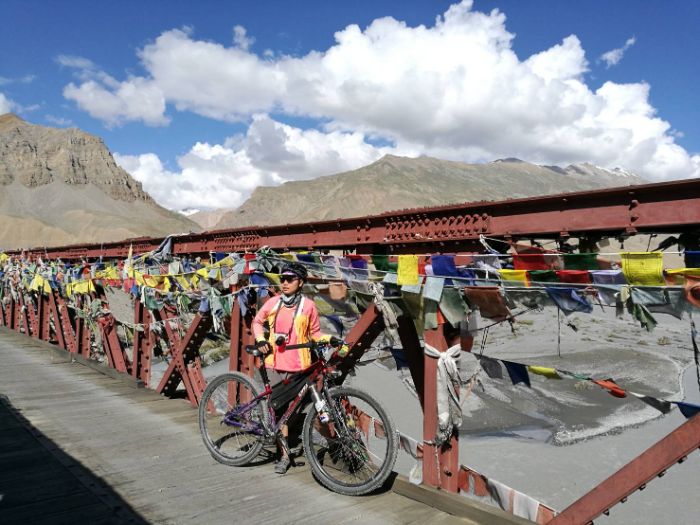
349,439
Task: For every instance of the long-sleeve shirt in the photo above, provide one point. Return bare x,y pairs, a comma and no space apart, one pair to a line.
280,318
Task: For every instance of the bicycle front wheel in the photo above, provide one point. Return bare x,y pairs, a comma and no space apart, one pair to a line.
355,451
232,424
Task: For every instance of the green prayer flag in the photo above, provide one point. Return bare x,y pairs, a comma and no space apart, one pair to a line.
381,263
581,261
543,276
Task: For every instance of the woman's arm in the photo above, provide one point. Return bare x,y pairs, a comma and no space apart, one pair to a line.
261,317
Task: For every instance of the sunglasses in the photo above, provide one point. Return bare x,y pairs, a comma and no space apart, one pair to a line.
288,278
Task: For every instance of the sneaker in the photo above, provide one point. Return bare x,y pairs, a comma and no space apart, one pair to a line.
282,465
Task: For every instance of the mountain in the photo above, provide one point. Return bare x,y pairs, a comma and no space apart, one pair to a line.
208,219
62,186
394,183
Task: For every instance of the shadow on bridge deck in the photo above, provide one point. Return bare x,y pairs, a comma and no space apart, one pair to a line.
40,483
77,446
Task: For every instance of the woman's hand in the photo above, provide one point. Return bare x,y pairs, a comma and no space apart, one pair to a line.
264,347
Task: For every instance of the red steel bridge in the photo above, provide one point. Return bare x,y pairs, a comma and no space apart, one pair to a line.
672,207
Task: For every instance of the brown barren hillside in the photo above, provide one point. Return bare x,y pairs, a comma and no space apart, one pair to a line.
393,183
60,186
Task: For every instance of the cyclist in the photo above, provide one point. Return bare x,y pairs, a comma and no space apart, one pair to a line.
292,319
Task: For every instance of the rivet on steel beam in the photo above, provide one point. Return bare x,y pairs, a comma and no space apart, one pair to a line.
662,473
623,500
682,459
606,512
642,486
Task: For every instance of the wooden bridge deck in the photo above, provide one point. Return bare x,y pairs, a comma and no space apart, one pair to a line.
77,446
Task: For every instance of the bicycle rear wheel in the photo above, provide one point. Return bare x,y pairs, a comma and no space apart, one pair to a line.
231,424
354,453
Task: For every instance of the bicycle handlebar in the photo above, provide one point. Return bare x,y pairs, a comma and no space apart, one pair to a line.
334,342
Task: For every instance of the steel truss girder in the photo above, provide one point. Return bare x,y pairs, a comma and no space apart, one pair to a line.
667,206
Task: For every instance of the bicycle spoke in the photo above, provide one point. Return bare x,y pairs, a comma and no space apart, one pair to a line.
231,425
349,454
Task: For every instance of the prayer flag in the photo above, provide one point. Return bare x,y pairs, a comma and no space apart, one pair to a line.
381,263
489,301
543,276
492,367
581,261
444,266
433,288
687,409
642,268
530,260
613,388
692,259
549,373
517,372
569,300
659,404
515,277
408,270
608,277
574,276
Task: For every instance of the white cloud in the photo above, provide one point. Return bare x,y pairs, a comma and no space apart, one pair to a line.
74,62
58,121
455,90
613,57
26,79
224,176
6,105
241,39
116,103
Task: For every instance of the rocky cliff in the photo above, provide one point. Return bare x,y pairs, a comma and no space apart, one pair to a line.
62,186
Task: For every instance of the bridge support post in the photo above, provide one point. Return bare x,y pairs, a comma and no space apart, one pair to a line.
182,355
32,313
241,336
440,464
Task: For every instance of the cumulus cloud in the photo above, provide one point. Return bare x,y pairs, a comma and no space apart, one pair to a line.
241,38
6,105
270,153
455,90
613,57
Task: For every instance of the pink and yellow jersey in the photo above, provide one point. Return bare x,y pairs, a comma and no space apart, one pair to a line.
306,327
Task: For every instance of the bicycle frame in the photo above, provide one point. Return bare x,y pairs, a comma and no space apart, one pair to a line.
230,418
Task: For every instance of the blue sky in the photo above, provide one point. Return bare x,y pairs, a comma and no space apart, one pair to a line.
98,48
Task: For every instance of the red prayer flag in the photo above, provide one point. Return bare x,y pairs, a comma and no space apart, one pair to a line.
574,276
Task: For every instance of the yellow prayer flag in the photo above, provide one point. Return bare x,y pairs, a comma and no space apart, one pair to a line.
550,373
408,270
643,268
139,278
273,278
37,283
182,282
203,272
152,280
3,258
515,276
691,272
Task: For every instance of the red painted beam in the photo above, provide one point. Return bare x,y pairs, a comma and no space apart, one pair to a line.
668,206
440,464
654,461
